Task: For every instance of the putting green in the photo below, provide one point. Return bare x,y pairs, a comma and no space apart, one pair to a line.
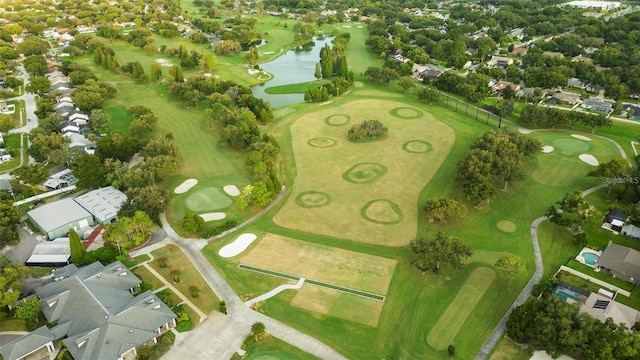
382,212
310,199
444,332
571,146
506,226
322,142
338,119
208,199
364,173
358,173
406,113
417,146
556,169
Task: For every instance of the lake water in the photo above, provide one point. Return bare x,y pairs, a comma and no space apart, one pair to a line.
295,66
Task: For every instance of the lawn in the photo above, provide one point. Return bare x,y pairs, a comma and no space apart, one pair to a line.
369,189
299,88
508,350
12,141
147,277
498,228
207,301
273,348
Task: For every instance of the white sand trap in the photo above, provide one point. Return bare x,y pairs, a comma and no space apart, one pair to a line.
581,137
547,149
185,186
213,216
237,246
346,26
231,190
589,159
268,52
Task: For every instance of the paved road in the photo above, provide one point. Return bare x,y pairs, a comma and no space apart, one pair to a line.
499,331
237,323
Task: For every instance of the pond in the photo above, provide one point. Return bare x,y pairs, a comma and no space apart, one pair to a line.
295,66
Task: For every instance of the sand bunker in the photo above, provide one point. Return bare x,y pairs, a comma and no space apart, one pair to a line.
589,159
581,137
185,186
164,62
231,190
237,246
547,149
213,216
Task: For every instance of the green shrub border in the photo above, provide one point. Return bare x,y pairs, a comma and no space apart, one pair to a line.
394,207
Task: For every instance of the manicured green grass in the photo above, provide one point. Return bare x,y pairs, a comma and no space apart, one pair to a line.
456,314
273,348
146,276
208,199
207,301
12,141
299,88
587,270
194,320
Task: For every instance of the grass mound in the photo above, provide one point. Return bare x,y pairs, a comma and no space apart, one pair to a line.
417,146
406,113
382,211
208,199
322,142
506,226
312,199
364,173
337,119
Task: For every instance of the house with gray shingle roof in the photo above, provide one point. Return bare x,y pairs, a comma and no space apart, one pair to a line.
620,261
37,344
97,316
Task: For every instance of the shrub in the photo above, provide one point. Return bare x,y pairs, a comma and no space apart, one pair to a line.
367,130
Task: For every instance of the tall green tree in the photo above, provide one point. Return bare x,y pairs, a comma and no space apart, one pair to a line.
512,265
11,281
443,209
33,174
612,172
77,249
441,250
29,310
89,171
571,211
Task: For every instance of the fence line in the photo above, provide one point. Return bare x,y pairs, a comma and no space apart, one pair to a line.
595,281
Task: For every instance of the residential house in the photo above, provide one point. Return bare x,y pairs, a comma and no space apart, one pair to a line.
598,105
554,54
79,118
96,315
500,61
516,33
580,58
576,83
69,127
38,344
631,231
602,307
595,5
428,71
64,108
55,74
620,261
79,141
518,51
500,86
564,97
633,111
59,180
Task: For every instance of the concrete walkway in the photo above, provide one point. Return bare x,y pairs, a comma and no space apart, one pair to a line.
275,292
224,337
499,331
176,291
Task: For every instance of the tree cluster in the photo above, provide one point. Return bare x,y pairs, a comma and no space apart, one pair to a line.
381,75
9,219
366,131
443,209
128,232
473,87
538,116
495,157
441,250
560,328
571,211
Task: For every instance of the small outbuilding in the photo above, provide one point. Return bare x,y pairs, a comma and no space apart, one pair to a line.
614,220
50,253
55,219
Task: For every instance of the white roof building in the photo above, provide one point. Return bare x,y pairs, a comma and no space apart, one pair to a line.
103,203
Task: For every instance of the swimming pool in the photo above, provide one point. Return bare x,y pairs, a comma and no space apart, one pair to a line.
565,295
590,258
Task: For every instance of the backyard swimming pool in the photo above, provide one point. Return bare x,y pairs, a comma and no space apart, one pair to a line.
590,258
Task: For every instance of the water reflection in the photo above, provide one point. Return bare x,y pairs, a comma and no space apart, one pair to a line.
295,66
